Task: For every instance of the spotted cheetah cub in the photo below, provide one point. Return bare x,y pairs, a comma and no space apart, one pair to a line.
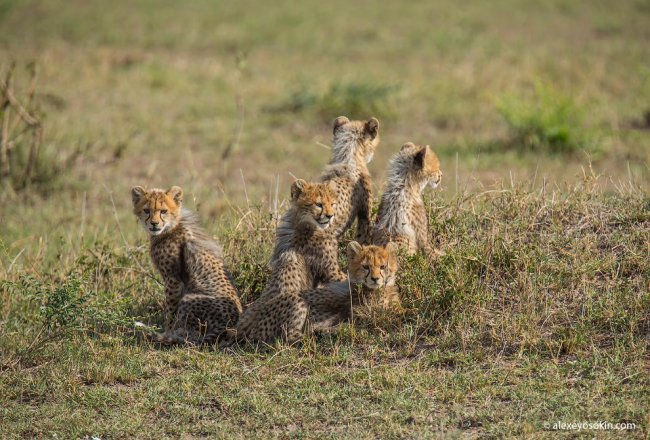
353,147
371,270
402,217
200,299
305,256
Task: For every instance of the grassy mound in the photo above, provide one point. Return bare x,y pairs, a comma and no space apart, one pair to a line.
540,305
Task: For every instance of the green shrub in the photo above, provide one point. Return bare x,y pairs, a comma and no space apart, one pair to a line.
548,121
355,99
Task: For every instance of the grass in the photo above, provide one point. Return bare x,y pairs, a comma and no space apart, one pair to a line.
549,122
537,313
358,98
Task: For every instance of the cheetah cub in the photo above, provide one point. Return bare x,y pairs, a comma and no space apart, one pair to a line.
200,299
402,217
353,147
305,256
371,270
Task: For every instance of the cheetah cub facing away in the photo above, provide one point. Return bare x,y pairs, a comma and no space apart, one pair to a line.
305,256
402,217
371,270
200,299
353,147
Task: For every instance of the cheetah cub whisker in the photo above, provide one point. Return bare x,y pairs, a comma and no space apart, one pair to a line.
200,299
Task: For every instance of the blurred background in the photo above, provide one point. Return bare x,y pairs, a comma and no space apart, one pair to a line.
230,100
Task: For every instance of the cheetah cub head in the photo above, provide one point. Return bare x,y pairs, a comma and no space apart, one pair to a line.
374,266
422,164
355,139
158,210
315,202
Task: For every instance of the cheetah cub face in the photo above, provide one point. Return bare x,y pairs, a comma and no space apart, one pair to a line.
315,202
159,211
374,266
425,164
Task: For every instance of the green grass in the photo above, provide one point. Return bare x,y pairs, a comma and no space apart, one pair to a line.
537,313
357,98
549,122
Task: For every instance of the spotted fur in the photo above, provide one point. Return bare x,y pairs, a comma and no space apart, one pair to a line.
353,146
305,256
402,217
371,270
200,299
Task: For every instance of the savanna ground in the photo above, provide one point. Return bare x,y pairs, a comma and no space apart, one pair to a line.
538,313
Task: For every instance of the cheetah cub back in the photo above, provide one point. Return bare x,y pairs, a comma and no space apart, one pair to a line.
200,299
402,216
353,147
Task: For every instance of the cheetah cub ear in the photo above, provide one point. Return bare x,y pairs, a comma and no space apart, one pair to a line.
339,122
371,128
176,193
297,188
391,248
354,249
137,193
407,145
420,157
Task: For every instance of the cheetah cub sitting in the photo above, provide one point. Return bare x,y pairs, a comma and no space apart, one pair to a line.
402,217
371,270
305,256
200,299
353,147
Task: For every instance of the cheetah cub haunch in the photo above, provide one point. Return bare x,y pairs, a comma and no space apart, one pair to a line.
402,216
353,147
200,299
372,271
305,256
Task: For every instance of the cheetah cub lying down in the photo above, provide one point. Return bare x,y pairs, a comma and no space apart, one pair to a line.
353,146
305,256
200,299
371,270
402,217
